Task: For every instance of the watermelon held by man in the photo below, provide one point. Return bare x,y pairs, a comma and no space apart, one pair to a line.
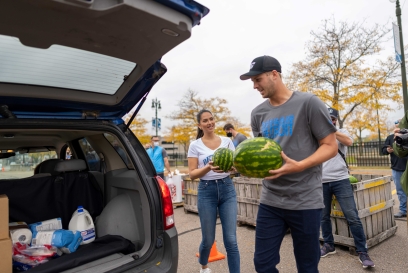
222,158
255,157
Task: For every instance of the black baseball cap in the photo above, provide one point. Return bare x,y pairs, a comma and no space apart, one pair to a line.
333,113
261,65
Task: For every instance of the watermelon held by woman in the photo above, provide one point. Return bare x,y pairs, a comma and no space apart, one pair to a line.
255,157
222,158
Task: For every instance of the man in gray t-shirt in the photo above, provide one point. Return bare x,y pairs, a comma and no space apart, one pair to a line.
291,196
336,182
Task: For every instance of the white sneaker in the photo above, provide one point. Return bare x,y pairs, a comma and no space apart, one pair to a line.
207,270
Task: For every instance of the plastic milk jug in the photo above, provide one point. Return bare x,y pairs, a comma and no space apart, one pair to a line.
82,221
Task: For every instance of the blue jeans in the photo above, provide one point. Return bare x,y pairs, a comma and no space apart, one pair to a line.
212,195
402,197
343,191
271,226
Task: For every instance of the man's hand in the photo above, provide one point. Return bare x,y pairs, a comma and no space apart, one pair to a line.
396,132
290,166
390,150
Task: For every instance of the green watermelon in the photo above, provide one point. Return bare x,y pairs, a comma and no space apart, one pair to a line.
223,158
353,179
255,157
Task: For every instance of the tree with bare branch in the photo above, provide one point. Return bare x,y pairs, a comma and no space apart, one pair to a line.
340,68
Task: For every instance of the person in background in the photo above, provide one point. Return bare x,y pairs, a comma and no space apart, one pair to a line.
215,192
292,195
336,182
237,137
158,155
398,166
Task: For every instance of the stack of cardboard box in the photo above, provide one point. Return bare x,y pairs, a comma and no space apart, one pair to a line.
5,241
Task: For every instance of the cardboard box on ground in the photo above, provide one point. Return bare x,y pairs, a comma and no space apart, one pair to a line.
4,217
5,241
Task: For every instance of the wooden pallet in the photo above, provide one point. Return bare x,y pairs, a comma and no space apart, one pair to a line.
248,194
190,194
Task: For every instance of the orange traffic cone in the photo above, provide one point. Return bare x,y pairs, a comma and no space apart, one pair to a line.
214,254
3,170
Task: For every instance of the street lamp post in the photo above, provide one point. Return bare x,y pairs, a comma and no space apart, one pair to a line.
174,157
156,105
403,71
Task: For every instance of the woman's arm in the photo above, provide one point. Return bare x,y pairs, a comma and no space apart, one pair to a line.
193,170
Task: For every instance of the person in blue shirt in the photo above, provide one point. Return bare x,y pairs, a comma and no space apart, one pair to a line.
158,155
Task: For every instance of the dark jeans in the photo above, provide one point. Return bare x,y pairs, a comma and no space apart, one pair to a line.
218,195
271,226
161,175
343,191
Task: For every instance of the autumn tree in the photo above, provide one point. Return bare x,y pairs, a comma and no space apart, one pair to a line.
138,127
180,134
363,120
340,70
186,115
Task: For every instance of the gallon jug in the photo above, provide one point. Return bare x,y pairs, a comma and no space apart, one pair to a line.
82,221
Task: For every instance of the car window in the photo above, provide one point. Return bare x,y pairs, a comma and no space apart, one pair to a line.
61,66
91,156
119,149
23,165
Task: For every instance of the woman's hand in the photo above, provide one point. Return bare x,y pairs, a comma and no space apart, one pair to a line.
214,168
232,170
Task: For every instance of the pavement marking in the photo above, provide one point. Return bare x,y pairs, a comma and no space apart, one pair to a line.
193,229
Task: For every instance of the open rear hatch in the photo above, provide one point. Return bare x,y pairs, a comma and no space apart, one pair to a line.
78,58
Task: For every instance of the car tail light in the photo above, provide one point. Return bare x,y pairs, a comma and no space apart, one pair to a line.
168,212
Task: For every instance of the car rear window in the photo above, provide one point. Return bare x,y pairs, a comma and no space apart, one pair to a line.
61,66
23,165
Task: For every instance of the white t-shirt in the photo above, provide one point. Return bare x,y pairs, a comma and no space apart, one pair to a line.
335,168
204,154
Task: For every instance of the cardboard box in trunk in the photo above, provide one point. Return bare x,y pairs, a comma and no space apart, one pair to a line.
4,217
5,256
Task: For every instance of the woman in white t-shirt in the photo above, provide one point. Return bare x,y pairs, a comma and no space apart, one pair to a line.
215,192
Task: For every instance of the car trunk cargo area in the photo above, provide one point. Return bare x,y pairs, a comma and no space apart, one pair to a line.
114,196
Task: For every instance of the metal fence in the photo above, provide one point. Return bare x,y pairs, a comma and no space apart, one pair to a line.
360,154
367,154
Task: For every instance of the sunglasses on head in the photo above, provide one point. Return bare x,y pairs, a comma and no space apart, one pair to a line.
396,122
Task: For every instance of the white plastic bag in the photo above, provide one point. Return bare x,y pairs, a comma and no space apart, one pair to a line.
172,188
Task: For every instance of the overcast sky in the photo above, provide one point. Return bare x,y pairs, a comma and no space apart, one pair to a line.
235,32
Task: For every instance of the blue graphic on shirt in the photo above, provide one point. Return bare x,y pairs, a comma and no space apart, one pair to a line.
278,127
207,159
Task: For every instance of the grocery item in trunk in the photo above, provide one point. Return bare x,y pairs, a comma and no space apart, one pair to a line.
82,221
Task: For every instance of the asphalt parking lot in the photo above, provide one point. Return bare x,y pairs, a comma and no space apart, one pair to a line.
390,256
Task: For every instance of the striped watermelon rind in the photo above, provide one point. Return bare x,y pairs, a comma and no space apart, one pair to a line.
255,157
223,158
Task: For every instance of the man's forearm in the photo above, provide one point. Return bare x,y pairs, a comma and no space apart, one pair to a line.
322,154
344,139
167,165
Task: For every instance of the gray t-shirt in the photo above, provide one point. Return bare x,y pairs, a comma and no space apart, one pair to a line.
297,125
335,169
238,139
